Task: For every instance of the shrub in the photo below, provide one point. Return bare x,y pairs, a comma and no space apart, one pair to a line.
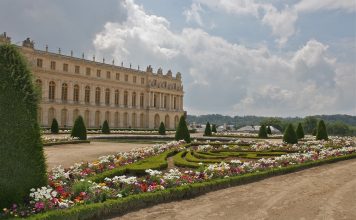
79,130
290,136
22,160
207,131
182,132
162,129
300,131
213,128
262,133
54,127
269,131
105,129
321,133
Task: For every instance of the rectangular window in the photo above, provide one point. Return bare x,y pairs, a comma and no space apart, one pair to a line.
134,79
77,69
126,78
142,81
88,71
39,63
108,75
98,73
53,65
65,67
117,76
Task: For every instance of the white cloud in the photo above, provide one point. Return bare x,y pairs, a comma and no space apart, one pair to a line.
193,14
221,77
282,22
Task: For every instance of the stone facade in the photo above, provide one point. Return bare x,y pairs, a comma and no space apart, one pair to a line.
126,97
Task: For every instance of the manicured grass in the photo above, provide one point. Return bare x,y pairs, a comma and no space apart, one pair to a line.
138,201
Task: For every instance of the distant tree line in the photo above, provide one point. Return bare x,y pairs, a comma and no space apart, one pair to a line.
341,125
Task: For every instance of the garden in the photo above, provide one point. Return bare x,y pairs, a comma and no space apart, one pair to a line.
170,171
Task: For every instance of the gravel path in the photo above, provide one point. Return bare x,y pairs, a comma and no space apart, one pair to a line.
68,154
325,192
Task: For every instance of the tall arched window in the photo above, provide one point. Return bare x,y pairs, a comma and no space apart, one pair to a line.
75,115
155,100
64,92
39,86
97,95
107,117
126,98
165,102
107,97
134,99
51,91
142,99
117,97
86,118
87,95
116,120
76,94
51,115
97,119
64,117
142,120
134,120
174,103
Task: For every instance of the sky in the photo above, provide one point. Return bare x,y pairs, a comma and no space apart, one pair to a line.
237,57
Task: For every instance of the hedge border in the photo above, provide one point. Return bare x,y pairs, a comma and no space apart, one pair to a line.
143,200
66,142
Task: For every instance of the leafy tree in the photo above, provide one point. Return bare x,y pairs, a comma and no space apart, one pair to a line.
162,129
269,131
54,126
213,128
262,133
321,133
79,130
22,162
309,124
275,122
207,131
300,131
290,136
105,128
338,128
182,132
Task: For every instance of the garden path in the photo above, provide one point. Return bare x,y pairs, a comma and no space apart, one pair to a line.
68,154
324,192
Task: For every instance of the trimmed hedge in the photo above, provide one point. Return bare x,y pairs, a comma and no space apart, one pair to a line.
54,126
143,200
67,142
105,129
191,158
162,129
79,130
180,161
158,162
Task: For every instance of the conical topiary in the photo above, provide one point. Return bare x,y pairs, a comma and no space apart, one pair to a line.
300,131
22,162
79,130
321,133
54,126
269,131
213,128
162,129
105,129
182,132
262,133
207,131
290,136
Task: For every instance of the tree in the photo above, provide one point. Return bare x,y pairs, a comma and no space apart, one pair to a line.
300,131
79,130
321,133
22,159
54,126
105,128
269,131
162,129
275,122
262,133
213,128
290,136
207,131
182,132
309,124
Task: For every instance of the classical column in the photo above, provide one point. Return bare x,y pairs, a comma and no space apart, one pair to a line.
70,92
148,102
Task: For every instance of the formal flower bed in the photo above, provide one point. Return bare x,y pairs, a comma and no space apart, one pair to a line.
112,131
70,188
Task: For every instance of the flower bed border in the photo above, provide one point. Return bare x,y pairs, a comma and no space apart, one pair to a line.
134,202
66,142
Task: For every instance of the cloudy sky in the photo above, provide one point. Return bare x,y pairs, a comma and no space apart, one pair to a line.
237,57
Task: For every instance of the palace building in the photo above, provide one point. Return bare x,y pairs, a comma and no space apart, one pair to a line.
125,97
